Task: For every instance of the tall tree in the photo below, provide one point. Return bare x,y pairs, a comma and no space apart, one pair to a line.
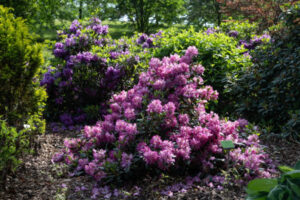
146,14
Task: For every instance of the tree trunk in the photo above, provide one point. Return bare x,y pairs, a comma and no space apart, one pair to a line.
218,12
80,9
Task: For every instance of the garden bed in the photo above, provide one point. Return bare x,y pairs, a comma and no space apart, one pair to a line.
37,178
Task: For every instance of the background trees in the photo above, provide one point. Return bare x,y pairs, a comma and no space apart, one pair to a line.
265,12
147,13
201,12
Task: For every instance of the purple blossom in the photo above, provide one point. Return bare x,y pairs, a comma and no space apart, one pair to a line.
66,119
75,26
126,160
210,31
233,33
58,157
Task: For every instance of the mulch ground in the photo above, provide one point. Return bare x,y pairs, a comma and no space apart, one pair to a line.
38,179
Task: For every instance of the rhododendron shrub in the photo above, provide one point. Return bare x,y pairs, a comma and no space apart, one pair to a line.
161,123
223,52
89,66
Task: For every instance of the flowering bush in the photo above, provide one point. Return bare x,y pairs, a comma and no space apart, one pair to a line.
218,52
162,124
88,68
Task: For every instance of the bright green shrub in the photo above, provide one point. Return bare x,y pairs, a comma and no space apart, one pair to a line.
268,93
21,98
286,187
218,53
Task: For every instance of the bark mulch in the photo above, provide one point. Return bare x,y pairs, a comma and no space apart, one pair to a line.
38,179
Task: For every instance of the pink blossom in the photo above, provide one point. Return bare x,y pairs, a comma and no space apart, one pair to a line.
129,113
183,119
169,108
155,107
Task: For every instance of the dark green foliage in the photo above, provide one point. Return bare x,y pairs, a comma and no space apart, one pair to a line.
268,92
286,187
218,53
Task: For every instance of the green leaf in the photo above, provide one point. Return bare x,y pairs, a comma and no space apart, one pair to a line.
277,193
285,169
259,196
292,174
261,185
295,187
297,166
227,144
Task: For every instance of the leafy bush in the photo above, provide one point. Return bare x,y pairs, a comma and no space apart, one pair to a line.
268,92
218,52
286,187
161,125
13,144
89,67
22,100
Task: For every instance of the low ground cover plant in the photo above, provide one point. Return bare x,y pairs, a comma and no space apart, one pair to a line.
162,125
13,144
285,187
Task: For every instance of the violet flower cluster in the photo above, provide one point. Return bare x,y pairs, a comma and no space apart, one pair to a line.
147,41
163,123
254,42
82,81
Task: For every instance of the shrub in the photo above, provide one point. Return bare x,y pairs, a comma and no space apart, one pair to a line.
22,100
161,125
218,52
89,67
287,186
268,93
13,144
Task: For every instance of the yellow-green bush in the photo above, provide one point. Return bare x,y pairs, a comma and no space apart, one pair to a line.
21,97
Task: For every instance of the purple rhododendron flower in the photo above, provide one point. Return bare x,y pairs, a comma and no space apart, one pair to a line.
233,33
66,119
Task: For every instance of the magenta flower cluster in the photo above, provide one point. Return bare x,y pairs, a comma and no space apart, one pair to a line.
162,122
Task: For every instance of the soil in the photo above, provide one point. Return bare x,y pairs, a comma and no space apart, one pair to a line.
38,178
